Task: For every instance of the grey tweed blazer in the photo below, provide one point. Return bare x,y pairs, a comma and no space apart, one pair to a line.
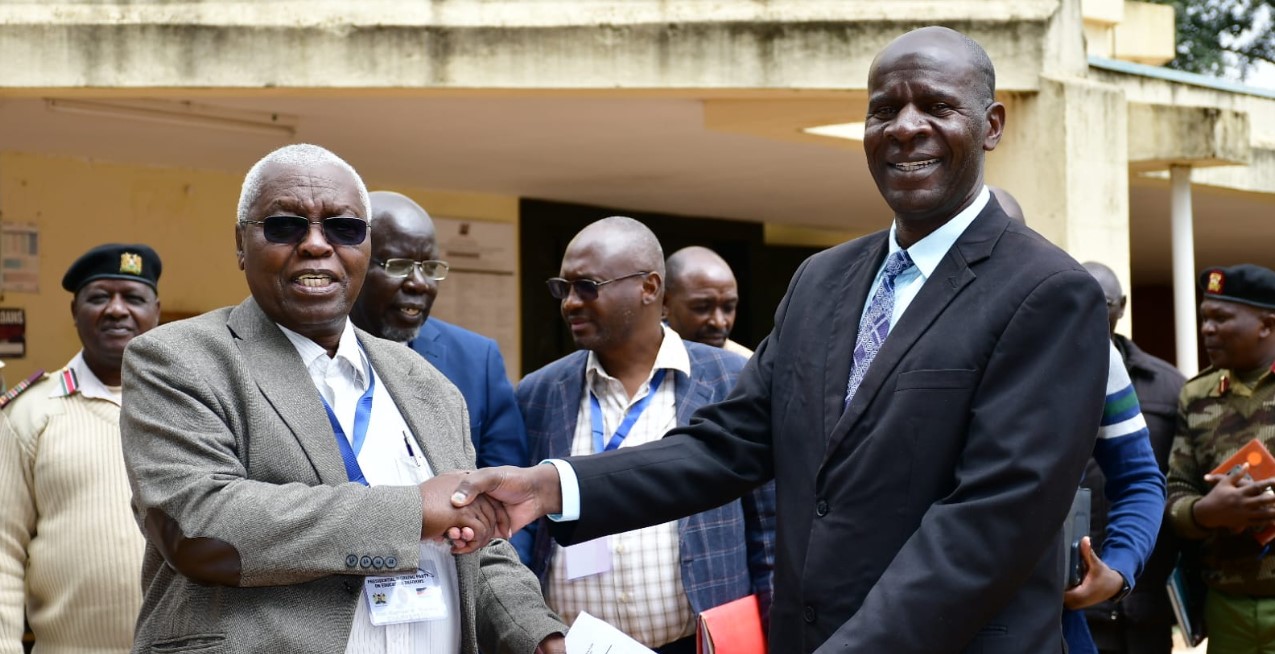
256,541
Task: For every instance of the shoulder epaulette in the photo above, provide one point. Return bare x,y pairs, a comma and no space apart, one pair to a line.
68,381
20,387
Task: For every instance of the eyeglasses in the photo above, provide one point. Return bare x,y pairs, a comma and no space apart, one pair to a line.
430,268
586,289
291,230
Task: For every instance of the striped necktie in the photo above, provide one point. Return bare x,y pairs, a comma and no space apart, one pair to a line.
875,325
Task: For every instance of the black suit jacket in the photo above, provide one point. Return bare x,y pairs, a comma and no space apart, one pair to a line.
925,518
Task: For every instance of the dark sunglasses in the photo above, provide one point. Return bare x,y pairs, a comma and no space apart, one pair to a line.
291,230
586,289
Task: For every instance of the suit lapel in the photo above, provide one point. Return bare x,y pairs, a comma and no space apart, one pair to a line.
429,344
568,392
690,393
851,291
951,276
281,376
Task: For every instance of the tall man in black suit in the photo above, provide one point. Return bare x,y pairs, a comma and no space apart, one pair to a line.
922,478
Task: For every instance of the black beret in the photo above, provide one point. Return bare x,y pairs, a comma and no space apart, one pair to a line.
1245,284
137,263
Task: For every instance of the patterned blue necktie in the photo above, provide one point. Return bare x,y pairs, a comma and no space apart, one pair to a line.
875,325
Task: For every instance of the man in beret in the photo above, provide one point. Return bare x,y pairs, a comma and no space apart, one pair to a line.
70,551
1221,409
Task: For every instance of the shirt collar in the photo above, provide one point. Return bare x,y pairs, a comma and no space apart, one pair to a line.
929,251
348,352
672,355
85,383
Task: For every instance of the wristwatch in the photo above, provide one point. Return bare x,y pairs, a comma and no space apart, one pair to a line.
1124,590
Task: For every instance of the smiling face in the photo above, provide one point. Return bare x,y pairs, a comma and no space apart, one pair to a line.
396,307
108,314
308,287
1237,337
930,119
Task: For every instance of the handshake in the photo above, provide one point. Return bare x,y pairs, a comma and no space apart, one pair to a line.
471,507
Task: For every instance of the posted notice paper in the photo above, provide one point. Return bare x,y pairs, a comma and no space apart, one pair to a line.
589,635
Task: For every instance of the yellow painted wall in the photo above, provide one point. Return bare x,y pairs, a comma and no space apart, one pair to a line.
186,215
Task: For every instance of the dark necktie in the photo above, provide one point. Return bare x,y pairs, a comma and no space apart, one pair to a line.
875,325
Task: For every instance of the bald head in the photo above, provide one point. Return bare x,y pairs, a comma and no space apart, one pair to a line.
621,236
397,211
1110,284
944,44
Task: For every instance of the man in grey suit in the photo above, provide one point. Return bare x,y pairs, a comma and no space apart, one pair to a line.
291,473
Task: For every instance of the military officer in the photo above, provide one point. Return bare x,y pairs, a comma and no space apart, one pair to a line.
1224,407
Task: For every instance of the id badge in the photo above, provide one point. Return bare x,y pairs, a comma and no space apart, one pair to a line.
405,598
588,558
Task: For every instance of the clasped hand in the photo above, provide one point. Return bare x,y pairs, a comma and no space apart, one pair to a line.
1236,502
472,507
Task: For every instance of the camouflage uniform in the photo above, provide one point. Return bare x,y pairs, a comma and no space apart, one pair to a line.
1218,414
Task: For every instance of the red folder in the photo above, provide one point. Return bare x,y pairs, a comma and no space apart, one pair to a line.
732,628
1261,465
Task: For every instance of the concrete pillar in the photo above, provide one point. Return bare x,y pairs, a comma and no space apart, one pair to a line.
1184,328
1064,157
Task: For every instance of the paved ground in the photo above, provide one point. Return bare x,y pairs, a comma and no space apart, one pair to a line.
1180,648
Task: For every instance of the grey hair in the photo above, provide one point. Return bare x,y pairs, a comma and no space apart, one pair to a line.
301,155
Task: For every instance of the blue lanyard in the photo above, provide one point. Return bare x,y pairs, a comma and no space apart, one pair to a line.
362,416
630,418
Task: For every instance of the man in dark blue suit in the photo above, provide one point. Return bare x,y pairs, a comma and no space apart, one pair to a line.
402,282
632,380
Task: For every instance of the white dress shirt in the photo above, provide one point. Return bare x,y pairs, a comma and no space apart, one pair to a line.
341,381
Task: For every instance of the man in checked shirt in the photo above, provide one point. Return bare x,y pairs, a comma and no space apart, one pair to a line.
632,380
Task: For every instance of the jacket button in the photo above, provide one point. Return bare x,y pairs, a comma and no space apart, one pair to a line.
391,562
378,562
809,613
351,560
365,562
821,508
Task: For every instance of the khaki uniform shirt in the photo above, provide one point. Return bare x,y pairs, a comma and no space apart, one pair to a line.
69,547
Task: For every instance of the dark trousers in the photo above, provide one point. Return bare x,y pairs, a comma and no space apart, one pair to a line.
1123,636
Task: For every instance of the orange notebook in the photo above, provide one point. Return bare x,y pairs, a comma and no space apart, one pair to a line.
1261,465
732,628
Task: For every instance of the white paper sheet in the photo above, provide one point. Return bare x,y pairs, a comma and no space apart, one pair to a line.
589,635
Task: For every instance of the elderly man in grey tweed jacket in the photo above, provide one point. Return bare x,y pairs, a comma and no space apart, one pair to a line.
291,473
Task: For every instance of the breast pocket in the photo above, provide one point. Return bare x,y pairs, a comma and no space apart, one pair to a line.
928,407
947,379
